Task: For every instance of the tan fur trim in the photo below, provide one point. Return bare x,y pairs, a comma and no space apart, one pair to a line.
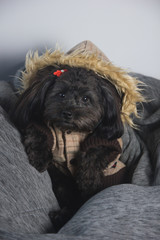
125,84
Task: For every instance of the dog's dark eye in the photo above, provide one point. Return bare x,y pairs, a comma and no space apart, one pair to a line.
85,99
62,95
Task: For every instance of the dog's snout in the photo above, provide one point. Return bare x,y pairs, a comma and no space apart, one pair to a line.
67,115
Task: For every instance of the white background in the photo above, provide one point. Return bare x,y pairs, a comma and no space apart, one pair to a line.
127,31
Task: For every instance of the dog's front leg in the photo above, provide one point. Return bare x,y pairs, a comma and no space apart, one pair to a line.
67,195
37,147
89,175
97,165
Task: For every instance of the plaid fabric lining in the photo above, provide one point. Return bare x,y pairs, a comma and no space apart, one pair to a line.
66,144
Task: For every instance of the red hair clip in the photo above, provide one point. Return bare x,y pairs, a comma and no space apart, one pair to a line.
58,73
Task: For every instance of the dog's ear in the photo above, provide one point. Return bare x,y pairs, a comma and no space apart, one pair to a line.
111,126
31,103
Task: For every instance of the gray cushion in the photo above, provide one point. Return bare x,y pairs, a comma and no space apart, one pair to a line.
26,195
119,212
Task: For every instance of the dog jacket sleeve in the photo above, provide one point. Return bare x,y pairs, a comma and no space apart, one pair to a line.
115,172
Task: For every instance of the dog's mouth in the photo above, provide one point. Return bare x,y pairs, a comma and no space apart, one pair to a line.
77,122
65,125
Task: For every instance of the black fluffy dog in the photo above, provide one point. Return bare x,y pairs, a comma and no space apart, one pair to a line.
76,100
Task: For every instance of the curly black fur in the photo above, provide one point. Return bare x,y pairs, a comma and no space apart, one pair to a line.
78,100
36,146
90,165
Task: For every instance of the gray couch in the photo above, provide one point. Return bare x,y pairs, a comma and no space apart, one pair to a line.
127,211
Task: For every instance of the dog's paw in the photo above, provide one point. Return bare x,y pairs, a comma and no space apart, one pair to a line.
95,159
40,166
36,147
38,160
60,217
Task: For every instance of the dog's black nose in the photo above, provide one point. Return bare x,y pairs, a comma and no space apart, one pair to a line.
67,115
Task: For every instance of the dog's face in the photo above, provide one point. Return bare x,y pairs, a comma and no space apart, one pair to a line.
75,101
78,100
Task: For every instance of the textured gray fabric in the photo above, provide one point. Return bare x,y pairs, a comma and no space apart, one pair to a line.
26,196
7,96
149,122
136,156
119,212
19,236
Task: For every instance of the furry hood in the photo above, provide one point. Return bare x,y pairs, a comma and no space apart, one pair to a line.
88,56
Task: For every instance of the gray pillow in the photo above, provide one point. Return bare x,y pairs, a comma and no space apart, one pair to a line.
26,195
120,212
